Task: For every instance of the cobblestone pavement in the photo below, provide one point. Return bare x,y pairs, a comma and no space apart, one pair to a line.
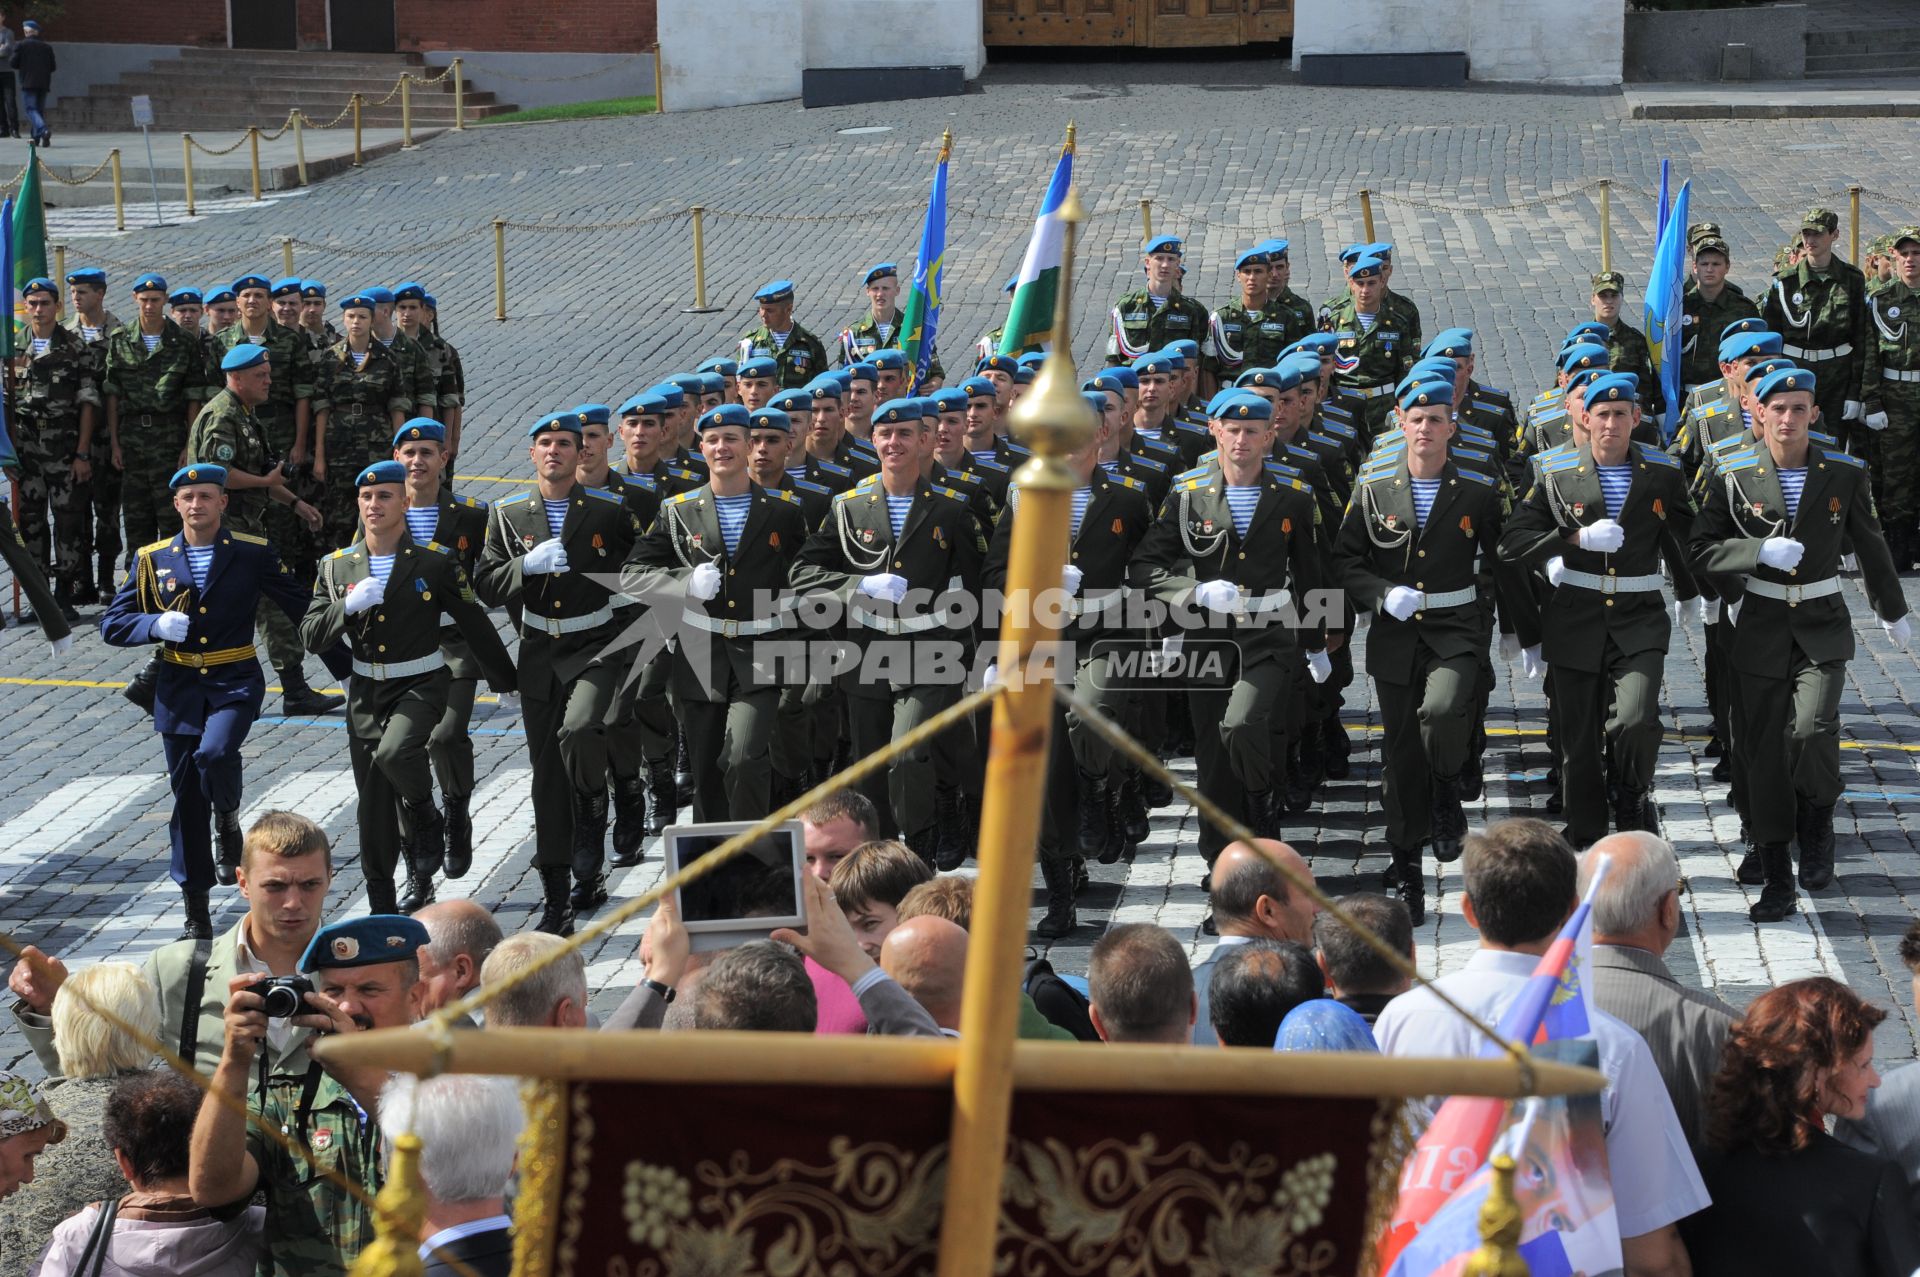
1227,156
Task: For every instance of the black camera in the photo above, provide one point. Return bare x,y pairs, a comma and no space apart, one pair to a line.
284,995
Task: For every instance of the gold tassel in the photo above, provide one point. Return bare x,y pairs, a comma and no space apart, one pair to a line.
1500,1221
399,1213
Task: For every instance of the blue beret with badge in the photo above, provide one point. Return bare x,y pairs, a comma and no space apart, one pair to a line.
1273,247
313,289
999,363
979,388
1592,328
1781,380
88,275
1125,375
40,284
898,412
1165,244
1032,359
287,286
1176,359
1352,253
669,393
380,294
862,371
420,429
1303,362
1188,349
381,472
1426,394
245,355
1585,377
780,290
1751,324
218,293
410,292
1758,370
1255,256
792,401
762,369
1155,363
1105,380
720,364
149,284
1240,405
769,419
358,301
826,387
949,399
199,472
565,422
1366,267
881,270
186,297
1436,366
889,360
364,942
592,414
1613,387
1585,355
1321,344
1454,343
712,383
1741,345
1024,375
727,414
1383,249
1096,401
245,282
644,404
690,383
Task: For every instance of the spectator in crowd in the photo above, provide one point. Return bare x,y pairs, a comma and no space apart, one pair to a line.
829,941
665,958
461,935
9,83
286,870
833,827
927,956
1891,1125
555,997
758,987
869,885
1356,973
1788,1197
27,1128
1255,985
1326,1025
1252,900
1519,887
468,1126
1141,986
94,1055
1636,915
156,1229
951,897
33,58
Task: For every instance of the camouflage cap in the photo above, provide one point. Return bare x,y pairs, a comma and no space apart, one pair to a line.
1711,244
23,1109
1609,281
1697,231
1820,219
1904,233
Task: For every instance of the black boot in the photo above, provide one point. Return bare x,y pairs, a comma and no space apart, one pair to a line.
106,577
629,820
86,593
1339,749
63,597
1410,883
1132,806
140,690
1297,791
1777,899
459,838
1723,767
1312,751
417,892
296,697
1263,808
428,843
663,800
199,924
1060,918
380,895
1096,831
556,914
589,849
1156,791
228,841
924,843
1390,876
1629,809
951,847
1715,746
1554,802
1449,820
1816,847
682,772
1473,779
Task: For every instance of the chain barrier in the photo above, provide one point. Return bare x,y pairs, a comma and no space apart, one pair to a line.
198,145
311,123
409,250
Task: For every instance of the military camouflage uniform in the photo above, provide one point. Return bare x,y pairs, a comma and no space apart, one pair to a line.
153,388
361,406
801,360
1703,322
291,359
421,369
1239,339
1627,351
1370,362
1136,326
102,536
315,1228
52,392
1890,383
1823,317
863,338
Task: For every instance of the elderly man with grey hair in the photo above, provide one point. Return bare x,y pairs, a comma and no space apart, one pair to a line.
468,1126
554,997
1636,915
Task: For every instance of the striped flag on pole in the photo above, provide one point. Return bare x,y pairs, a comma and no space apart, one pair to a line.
920,318
1030,320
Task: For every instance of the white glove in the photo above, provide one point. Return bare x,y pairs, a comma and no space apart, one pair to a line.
1509,647
1849,563
1900,631
884,585
1556,570
1319,666
548,556
991,677
1710,611
1402,602
371,592
1682,614
704,582
1852,410
172,626
1070,579
1171,645
61,646
1876,421
1606,536
1781,552
1733,611
1530,663
510,702
1217,596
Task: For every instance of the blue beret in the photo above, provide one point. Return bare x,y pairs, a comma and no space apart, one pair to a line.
1758,372
1282,378
219,293
1382,249
780,290
979,388
1165,244
999,363
1251,257
720,364
1585,355
1303,362
669,394
1189,348
187,297
884,270
563,422
862,371
1592,328
690,383
896,412
245,282
1454,343
1613,387
1751,324
381,472
1423,394
314,288
364,942
1586,377
761,368
1155,363
1103,381
245,355
1176,359
826,388
1024,375
949,399
29,25
1031,359
429,301
1095,400
1239,405
644,404
1740,345
286,287
1125,375
1013,282
889,360
1273,247
358,301
150,284
1352,253
39,284
928,408
410,292
1782,379
1321,344
592,414
712,383
380,294
420,428
199,472
792,401
770,419
1365,267
727,414
1439,366
88,275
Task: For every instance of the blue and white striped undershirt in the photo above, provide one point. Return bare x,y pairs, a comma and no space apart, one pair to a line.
199,559
780,339
39,346
1614,482
422,522
1424,491
1366,322
381,565
797,472
1112,468
1242,501
897,510
1081,496
1792,483
359,357
732,512
556,514
982,454
151,341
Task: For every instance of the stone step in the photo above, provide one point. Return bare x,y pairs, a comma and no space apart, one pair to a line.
1863,64
1866,38
229,116
160,85
291,57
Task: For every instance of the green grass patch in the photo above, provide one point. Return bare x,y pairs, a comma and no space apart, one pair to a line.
643,105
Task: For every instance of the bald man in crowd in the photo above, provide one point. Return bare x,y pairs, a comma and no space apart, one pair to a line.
1253,899
927,956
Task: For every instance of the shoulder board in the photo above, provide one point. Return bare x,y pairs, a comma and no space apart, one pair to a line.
1557,460
682,473
1159,467
965,476
951,494
1468,429
1198,472
1298,485
830,468
680,497
1495,391
1549,414
784,495
1282,469
1018,449
870,482
988,463
605,494
341,553
467,502
515,499
1478,476
1127,481
1471,454
1191,427
437,548
1823,438
1491,405
248,537
156,547
1375,473
1340,428
1834,454
1188,485
1740,461
839,497
1295,450
645,482
1730,443
1658,456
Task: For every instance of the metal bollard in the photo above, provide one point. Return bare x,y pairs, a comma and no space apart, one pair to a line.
1366,212
499,268
1606,223
459,97
186,167
406,112
299,144
357,102
60,274
659,82
253,148
699,306
1853,210
1146,220
119,195
286,254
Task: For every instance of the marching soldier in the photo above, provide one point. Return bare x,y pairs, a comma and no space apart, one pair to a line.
442,362
1891,395
388,597
645,455
1158,424
54,406
1818,305
897,535
1711,302
196,594
1239,334
1769,539
797,353
1709,418
368,398
828,456
881,326
419,376
726,546
553,551
457,524
1416,548
1374,351
758,381
1152,317
1627,349
1474,403
1599,519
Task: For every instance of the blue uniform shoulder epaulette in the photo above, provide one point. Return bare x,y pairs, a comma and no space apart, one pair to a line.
1340,428
951,494
682,473
1158,445
156,547
965,476
1192,427
1282,469
1823,439
1149,463
1740,461
1730,443
470,503
1478,476
1470,454
1658,456
1495,391
988,463
645,482
1834,454
784,495
341,553
830,468
1017,449
605,494
514,499
1198,472
248,537
437,548
1375,473
680,497
808,485
1127,481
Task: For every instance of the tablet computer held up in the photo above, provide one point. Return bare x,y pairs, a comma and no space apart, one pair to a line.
750,895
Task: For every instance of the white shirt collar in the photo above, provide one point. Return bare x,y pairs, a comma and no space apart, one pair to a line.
446,1236
1502,962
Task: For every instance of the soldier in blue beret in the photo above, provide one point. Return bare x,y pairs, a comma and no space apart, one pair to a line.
285,295
196,594
882,327
1376,343
797,353
1149,318
713,390
1294,312
369,399
87,293
1159,425
648,445
314,323
1245,333
185,306
439,380
758,377
99,543
419,374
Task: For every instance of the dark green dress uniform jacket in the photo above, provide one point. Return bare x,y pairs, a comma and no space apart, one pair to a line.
462,528
598,533
1117,518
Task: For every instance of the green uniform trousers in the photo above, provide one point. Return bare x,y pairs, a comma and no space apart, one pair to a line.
1588,728
1792,744
729,748
567,741
1427,726
451,745
148,503
106,489
877,714
1233,735
389,770
1897,476
640,730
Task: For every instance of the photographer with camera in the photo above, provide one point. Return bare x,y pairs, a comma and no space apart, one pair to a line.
360,974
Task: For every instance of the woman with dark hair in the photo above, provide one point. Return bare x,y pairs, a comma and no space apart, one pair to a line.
1787,1197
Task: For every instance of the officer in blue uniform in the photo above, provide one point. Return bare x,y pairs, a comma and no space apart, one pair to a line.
196,595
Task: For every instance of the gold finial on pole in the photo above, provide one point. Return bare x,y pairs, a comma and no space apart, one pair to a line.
946,146
1500,1221
1072,128
399,1214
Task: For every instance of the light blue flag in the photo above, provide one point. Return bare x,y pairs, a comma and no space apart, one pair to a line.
920,318
1663,312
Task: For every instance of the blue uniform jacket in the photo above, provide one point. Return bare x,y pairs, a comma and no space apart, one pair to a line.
221,616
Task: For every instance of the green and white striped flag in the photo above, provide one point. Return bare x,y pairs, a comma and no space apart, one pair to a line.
1030,320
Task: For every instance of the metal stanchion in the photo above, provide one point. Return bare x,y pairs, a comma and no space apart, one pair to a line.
406,112
186,167
299,145
1146,220
357,103
659,81
119,194
1606,223
1366,212
459,97
253,150
699,306
286,254
1853,238
60,271
499,268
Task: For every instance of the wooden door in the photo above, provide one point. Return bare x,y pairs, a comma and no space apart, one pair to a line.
264,24
1266,20
1183,24
361,26
1096,23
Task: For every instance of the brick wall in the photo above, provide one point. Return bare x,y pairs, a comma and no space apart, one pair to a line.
121,22
575,26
